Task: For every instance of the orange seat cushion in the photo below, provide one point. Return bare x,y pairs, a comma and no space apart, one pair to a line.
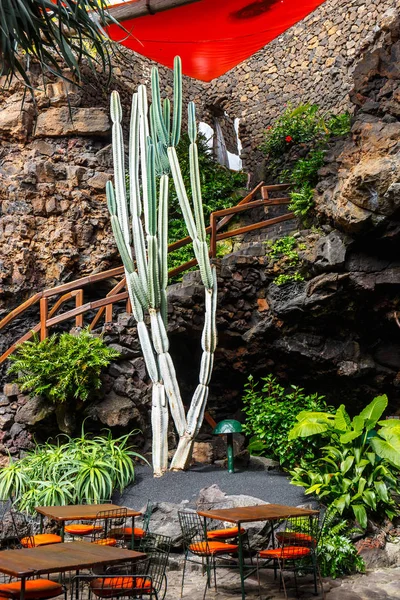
112,586
224,534
127,532
286,553
295,538
34,588
106,542
41,539
81,529
208,548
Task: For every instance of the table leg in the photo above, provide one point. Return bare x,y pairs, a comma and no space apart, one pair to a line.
273,546
241,562
41,524
62,532
133,534
77,586
22,590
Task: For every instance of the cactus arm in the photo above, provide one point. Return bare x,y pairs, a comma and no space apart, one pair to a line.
143,135
181,192
159,424
172,392
119,167
158,115
177,110
167,116
163,243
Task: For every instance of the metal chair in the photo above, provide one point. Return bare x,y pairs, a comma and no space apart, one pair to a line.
197,544
146,577
81,528
27,537
109,527
139,533
293,547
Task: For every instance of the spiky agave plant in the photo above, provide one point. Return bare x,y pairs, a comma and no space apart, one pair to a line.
152,157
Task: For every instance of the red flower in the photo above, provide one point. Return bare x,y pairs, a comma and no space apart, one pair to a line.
288,138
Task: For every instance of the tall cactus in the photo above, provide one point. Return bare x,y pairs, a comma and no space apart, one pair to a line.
152,157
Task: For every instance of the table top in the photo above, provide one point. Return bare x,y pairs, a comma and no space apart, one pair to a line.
67,556
72,512
263,512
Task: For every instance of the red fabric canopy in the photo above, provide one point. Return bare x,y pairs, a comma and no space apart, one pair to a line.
211,36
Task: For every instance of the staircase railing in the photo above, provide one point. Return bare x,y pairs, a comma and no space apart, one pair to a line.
104,306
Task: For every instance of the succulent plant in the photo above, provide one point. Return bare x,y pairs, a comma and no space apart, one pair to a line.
139,221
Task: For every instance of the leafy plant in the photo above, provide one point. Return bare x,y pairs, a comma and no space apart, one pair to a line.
302,200
305,169
284,246
271,413
337,555
56,34
284,278
80,469
339,124
358,469
61,367
296,125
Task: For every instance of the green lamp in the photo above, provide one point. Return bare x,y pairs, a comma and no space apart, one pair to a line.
228,428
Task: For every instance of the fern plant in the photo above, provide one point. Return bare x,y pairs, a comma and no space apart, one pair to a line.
61,367
337,555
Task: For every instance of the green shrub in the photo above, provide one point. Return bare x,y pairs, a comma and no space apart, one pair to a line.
339,124
61,367
284,278
297,125
358,469
271,413
302,201
337,555
305,169
81,469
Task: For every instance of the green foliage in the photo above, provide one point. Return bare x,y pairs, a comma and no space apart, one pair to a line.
305,170
47,31
284,278
302,200
339,124
301,124
271,413
81,469
337,555
358,469
286,247
61,367
219,188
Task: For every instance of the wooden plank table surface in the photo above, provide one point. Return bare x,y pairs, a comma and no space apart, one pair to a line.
58,558
81,512
250,514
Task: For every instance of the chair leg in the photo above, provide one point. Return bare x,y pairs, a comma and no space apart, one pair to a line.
183,575
214,562
282,579
258,576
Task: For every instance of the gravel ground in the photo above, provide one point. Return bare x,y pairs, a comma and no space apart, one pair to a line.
270,486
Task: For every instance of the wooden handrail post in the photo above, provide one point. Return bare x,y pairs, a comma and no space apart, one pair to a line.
79,302
109,314
44,313
213,241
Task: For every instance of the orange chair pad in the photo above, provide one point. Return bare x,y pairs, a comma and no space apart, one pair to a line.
41,539
111,586
106,542
224,534
286,553
293,537
81,529
34,588
127,532
208,548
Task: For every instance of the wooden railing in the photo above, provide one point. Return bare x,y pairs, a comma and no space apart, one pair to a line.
104,306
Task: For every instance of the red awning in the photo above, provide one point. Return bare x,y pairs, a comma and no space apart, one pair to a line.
211,36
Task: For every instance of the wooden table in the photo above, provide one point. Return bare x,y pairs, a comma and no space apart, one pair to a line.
250,514
59,558
81,512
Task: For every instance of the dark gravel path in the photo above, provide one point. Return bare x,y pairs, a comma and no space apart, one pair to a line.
270,486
